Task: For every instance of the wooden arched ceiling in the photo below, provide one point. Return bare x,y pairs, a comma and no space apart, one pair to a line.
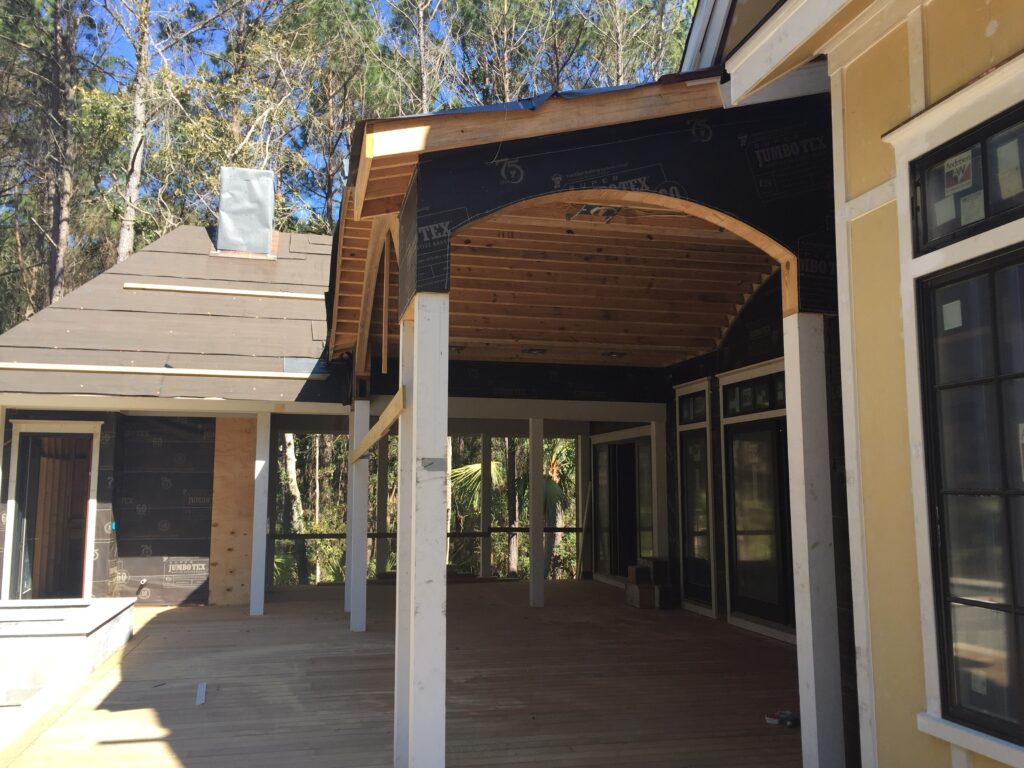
570,281
566,279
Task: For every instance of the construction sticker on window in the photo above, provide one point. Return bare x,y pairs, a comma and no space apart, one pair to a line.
959,172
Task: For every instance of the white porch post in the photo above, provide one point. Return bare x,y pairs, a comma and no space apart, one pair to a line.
485,506
583,514
5,574
380,547
422,572
659,480
537,573
358,511
814,575
403,546
260,498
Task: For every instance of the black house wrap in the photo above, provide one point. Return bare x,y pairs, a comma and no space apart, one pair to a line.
767,165
163,504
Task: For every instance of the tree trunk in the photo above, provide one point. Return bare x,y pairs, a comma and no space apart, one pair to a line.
293,483
512,499
137,141
63,69
423,38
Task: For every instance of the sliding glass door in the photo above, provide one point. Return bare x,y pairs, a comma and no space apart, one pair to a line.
760,562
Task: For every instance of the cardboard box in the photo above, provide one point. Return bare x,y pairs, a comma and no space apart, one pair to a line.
641,595
638,574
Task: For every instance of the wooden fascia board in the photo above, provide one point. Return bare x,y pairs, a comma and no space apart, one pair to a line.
434,133
366,154
332,340
378,235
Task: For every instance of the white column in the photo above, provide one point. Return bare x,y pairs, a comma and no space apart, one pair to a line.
537,513
428,555
485,506
814,575
260,496
381,543
403,545
659,480
584,514
7,511
358,511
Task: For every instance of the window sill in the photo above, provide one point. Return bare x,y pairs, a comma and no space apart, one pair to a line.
971,740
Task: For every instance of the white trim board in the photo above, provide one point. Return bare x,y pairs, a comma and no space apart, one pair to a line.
153,370
782,33
45,426
168,405
681,390
851,429
245,292
977,102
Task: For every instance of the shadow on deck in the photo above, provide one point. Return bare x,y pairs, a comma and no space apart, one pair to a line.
585,681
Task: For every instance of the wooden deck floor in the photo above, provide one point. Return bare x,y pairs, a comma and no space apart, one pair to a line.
585,681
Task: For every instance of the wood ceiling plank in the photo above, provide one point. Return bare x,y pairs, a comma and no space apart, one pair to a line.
599,276
596,313
644,289
558,264
610,300
570,329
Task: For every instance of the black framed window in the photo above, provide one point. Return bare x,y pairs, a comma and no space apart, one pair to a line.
693,408
970,184
972,343
765,393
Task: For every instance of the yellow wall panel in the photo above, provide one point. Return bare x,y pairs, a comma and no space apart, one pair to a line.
231,530
965,38
977,761
893,597
876,99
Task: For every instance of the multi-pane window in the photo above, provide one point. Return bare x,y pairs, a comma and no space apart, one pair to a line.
972,329
970,184
695,497
765,393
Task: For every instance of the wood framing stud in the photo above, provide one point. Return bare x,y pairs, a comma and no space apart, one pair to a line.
381,547
376,248
486,482
387,418
358,512
537,561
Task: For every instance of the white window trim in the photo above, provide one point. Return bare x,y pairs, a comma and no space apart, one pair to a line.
690,388
778,365
977,102
782,33
30,426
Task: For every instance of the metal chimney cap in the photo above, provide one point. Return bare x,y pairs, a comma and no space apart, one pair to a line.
245,221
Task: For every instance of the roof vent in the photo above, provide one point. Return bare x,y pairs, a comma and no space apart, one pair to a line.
245,222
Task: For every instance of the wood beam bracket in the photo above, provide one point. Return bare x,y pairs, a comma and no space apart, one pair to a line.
384,423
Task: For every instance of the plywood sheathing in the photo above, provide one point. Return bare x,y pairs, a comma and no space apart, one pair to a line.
234,456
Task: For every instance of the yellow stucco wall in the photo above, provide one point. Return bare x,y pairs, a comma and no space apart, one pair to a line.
877,97
965,38
961,40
